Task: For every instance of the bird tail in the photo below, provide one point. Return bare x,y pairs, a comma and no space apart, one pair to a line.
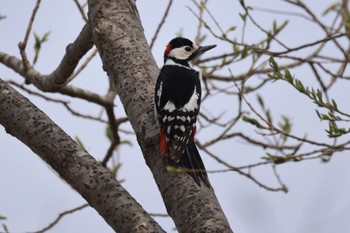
192,162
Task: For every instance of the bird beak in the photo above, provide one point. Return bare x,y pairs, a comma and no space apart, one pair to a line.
201,50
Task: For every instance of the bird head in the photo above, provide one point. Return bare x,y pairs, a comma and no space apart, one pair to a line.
183,50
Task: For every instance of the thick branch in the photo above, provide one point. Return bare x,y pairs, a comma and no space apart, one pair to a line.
96,184
127,59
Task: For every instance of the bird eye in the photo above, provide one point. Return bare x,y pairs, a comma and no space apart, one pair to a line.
188,48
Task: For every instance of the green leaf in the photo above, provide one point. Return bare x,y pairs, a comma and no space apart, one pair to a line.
243,17
108,132
45,37
333,130
232,28
236,49
125,142
268,116
116,169
299,85
274,26
222,62
275,158
252,121
244,52
277,30
273,64
260,101
97,30
333,7
335,106
318,114
285,125
38,43
5,228
37,38
288,76
319,95
171,169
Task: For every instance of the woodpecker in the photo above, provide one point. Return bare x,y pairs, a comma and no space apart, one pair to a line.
177,103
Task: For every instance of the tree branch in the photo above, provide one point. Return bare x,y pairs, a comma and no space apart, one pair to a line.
95,183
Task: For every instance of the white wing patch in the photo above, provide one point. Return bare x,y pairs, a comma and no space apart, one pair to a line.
159,92
192,103
170,106
156,114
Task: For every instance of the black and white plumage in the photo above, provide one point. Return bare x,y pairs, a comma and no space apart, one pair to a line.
177,104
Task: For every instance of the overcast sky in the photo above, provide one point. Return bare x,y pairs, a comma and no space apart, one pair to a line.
32,195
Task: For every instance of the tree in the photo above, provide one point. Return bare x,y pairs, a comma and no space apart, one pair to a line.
115,29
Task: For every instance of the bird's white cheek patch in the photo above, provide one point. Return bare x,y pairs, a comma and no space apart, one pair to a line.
179,53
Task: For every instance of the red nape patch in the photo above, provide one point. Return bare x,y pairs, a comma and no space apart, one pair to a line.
163,145
167,49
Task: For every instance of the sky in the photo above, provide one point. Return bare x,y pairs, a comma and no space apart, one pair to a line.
32,195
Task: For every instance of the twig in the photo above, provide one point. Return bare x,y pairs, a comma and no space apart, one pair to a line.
161,23
275,129
281,12
64,103
260,27
81,10
319,79
114,126
60,216
232,168
279,180
210,15
22,45
82,67
159,215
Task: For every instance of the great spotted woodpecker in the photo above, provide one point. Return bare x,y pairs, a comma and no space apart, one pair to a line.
177,103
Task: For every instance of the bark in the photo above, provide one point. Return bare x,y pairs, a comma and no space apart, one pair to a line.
26,122
127,59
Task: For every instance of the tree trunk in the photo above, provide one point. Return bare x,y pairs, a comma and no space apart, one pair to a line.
127,59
